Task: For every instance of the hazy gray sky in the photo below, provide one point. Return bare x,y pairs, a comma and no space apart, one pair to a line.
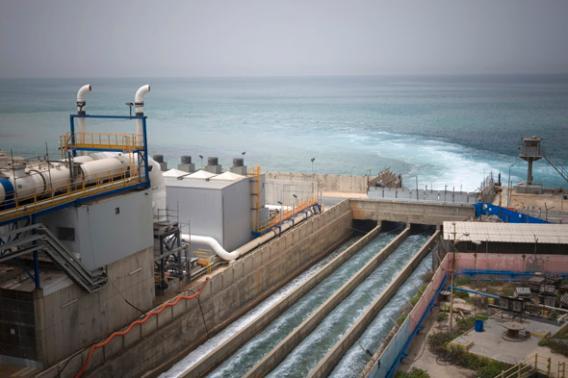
76,38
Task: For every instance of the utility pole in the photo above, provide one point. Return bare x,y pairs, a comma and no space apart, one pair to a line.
452,278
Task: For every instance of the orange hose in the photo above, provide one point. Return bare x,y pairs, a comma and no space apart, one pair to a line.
125,331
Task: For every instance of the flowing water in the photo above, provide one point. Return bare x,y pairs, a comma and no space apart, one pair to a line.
355,359
198,353
307,354
250,353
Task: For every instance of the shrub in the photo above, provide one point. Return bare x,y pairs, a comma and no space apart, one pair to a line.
414,373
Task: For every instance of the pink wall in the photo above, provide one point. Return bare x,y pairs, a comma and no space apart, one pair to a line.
512,262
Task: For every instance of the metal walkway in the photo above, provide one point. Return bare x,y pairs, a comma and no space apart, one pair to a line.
38,238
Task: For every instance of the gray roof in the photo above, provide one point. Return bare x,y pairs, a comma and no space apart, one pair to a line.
507,232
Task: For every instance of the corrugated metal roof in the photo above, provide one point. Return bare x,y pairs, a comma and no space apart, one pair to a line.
507,232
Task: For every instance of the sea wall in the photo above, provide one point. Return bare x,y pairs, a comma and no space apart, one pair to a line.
280,186
227,295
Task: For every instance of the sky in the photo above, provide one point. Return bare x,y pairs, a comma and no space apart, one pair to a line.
171,38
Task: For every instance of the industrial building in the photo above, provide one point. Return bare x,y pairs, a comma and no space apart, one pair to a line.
76,251
213,205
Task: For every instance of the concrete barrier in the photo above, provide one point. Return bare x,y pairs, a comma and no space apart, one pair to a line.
209,361
276,355
332,357
410,212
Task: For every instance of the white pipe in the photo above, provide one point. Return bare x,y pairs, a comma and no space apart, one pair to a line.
139,107
139,98
81,102
82,92
244,249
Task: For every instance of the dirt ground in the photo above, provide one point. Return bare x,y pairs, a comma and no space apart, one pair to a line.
419,355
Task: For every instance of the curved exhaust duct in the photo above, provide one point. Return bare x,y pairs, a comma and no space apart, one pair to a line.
246,248
81,103
139,108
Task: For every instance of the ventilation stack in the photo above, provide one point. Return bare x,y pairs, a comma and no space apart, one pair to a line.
186,165
239,166
213,165
160,160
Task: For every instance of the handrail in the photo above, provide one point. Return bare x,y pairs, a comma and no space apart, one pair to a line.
121,141
43,240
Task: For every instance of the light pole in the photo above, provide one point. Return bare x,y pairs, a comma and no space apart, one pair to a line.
281,210
466,234
510,184
201,158
313,177
294,206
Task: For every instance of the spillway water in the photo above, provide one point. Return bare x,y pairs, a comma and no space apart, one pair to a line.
198,353
307,354
355,359
241,361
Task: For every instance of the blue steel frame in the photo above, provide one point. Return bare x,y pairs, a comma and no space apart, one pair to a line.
79,201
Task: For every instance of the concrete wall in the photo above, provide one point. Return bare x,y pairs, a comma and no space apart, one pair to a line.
280,185
407,212
227,295
68,319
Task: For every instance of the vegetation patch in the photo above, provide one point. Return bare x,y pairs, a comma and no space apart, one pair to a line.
414,373
439,344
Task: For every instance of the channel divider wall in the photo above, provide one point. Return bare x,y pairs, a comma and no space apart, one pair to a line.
332,357
217,355
282,349
385,361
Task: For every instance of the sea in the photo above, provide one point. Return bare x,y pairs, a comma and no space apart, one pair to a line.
446,131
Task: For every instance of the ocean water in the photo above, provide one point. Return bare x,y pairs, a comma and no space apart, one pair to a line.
447,130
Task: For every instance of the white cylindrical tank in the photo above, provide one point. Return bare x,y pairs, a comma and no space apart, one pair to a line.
103,169
58,178
83,159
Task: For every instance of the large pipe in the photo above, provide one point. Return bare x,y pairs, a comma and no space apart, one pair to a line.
244,249
81,102
139,107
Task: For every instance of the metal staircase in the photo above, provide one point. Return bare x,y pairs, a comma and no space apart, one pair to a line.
38,238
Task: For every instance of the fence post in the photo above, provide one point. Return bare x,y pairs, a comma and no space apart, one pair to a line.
536,361
548,367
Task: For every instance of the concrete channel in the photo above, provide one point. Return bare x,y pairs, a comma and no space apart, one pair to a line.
276,355
220,353
248,355
304,357
328,362
354,361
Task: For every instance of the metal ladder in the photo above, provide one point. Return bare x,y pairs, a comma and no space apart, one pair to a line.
38,238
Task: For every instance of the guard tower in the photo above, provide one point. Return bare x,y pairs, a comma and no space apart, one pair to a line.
530,151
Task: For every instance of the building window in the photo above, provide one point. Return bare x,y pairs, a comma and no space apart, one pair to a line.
66,233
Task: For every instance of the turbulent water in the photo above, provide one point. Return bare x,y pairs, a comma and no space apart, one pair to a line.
198,353
446,130
355,359
330,330
250,353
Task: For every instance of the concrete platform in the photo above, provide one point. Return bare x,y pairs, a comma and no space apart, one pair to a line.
491,343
